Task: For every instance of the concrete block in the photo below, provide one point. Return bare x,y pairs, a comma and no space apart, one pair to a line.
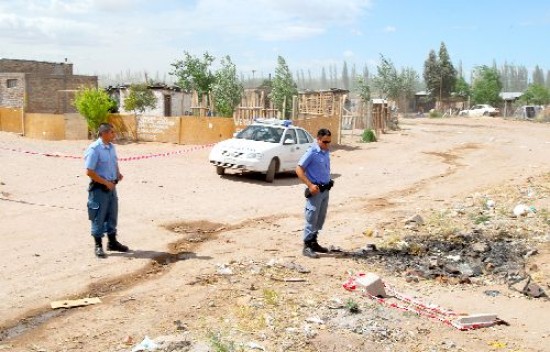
372,284
474,319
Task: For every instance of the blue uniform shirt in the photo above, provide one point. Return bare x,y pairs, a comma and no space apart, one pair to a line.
102,159
316,163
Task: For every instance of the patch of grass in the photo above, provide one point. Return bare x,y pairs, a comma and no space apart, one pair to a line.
352,306
368,136
481,219
434,114
218,345
270,296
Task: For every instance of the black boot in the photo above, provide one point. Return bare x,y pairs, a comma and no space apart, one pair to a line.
308,250
98,250
114,245
316,247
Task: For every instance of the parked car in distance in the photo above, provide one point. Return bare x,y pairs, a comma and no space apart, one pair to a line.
528,111
480,110
268,146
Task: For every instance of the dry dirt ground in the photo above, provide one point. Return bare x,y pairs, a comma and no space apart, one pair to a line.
216,261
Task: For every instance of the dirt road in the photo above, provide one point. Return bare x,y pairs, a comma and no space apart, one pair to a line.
184,223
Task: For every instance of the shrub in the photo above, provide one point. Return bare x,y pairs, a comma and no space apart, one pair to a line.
368,136
434,114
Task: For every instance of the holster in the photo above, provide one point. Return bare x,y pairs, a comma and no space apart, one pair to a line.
94,185
322,188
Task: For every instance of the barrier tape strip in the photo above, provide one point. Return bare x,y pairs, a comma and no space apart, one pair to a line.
130,158
418,307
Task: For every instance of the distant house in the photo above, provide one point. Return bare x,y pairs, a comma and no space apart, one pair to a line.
40,87
171,100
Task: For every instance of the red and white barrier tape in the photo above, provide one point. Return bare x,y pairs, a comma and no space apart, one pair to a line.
414,305
129,158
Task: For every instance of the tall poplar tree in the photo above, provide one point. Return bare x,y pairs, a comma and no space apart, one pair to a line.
283,87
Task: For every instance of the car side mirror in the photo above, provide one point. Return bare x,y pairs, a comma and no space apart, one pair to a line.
289,141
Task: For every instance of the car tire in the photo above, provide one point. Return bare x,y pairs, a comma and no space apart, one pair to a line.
271,171
220,170
486,113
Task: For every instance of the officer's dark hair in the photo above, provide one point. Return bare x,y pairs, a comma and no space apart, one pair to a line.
104,127
323,132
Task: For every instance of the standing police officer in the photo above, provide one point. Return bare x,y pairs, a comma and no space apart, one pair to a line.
314,171
102,167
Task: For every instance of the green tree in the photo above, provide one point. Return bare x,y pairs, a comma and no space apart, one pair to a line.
409,84
439,74
195,74
462,88
227,89
536,94
387,81
486,86
447,71
140,98
283,87
362,88
94,104
432,74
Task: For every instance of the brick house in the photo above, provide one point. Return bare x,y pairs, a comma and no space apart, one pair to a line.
40,87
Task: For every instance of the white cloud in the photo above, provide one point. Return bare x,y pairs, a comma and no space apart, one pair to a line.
348,54
390,29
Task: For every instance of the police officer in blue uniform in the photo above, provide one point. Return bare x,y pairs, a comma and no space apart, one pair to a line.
102,167
314,171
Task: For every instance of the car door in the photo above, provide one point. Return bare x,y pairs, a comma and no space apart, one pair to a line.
291,150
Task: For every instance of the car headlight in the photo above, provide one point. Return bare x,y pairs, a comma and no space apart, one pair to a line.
254,156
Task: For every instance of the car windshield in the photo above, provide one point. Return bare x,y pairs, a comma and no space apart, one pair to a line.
261,133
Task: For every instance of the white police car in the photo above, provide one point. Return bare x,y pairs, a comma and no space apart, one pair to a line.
268,146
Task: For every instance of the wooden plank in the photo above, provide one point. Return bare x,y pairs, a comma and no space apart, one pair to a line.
75,302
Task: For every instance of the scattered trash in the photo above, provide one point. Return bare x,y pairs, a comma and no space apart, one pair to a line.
223,269
492,293
75,303
415,305
315,320
255,346
146,345
521,210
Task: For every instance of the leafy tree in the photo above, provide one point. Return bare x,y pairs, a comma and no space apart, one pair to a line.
462,88
439,73
432,74
94,104
408,80
363,89
140,98
387,82
536,94
447,71
486,86
227,89
194,73
284,87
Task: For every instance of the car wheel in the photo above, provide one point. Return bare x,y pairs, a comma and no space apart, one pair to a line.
486,113
271,170
220,170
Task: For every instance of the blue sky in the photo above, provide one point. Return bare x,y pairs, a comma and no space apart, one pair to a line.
114,36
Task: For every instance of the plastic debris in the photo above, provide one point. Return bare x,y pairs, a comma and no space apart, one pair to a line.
146,345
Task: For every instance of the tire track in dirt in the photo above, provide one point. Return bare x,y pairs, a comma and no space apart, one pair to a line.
192,236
